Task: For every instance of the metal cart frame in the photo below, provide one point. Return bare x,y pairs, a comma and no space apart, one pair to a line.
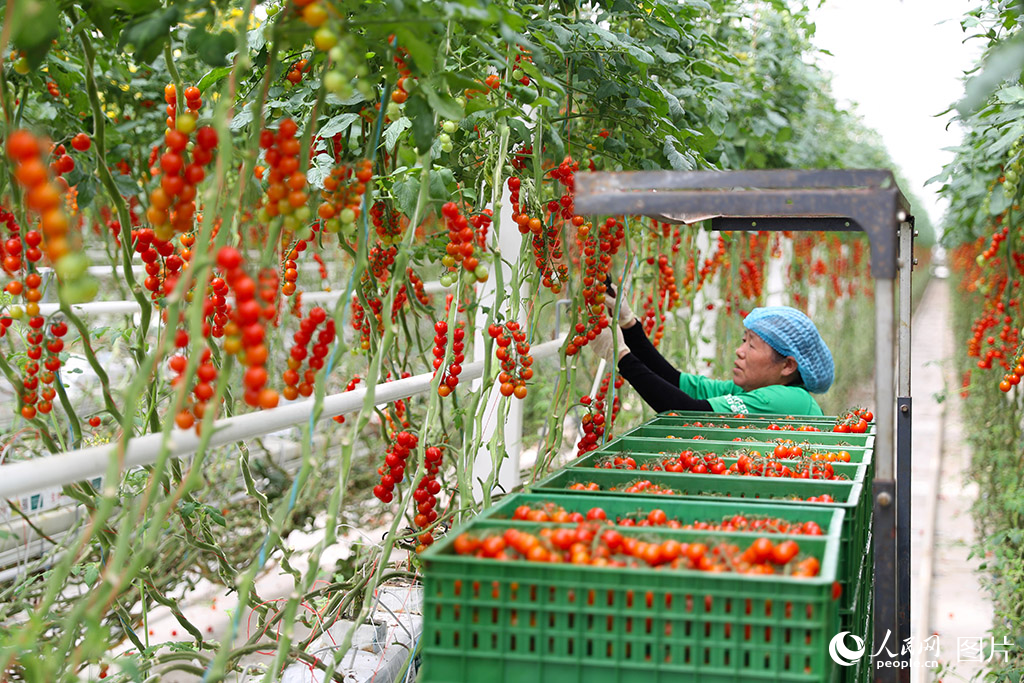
827,200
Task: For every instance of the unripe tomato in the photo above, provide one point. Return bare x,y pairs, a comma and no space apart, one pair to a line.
185,123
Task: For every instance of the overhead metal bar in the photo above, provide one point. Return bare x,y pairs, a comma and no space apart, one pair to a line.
866,200
869,200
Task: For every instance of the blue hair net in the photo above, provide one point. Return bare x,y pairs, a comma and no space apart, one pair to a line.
792,333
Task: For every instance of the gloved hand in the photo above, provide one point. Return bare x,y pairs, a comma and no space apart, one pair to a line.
604,344
626,316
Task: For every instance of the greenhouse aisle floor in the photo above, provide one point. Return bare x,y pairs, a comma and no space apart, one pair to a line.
947,599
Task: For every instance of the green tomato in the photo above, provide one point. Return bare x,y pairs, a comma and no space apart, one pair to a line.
481,273
303,213
347,216
324,39
518,74
449,126
1011,177
445,280
394,111
446,146
71,266
332,226
79,291
185,123
21,66
335,83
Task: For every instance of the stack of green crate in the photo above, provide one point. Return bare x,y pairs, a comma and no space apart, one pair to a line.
516,621
671,433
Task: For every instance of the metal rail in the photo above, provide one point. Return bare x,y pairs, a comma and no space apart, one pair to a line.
869,201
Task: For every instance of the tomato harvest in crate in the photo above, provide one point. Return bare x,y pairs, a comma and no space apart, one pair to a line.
222,222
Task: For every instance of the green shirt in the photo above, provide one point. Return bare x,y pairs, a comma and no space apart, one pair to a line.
727,397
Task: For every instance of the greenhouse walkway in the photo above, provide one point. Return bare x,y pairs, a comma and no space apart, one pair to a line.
947,598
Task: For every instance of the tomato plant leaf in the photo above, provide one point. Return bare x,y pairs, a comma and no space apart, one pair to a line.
423,129
444,105
145,37
421,52
86,191
319,169
1002,62
212,77
337,124
676,159
394,131
212,48
242,118
34,25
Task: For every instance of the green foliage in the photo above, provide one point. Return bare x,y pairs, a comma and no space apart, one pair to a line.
488,91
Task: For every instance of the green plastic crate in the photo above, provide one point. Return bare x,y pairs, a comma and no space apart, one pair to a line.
858,454
520,622
851,496
823,422
686,510
832,440
851,471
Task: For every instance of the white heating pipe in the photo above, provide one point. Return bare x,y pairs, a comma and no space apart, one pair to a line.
132,307
86,463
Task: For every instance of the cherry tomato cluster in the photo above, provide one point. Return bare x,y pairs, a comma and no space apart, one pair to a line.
640,486
597,258
449,376
823,498
162,264
517,71
172,206
53,89
302,385
245,330
593,421
343,197
25,285
202,392
747,463
42,196
515,358
425,496
771,425
291,270
359,321
482,223
294,75
550,512
417,287
401,59
388,225
667,299
1012,379
392,472
285,194
591,543
41,402
647,487
460,247
854,421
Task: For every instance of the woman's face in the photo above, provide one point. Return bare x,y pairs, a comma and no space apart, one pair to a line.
757,366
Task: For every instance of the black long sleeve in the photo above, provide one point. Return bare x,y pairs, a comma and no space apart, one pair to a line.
658,392
644,350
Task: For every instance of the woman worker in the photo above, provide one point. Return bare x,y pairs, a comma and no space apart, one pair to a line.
781,361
